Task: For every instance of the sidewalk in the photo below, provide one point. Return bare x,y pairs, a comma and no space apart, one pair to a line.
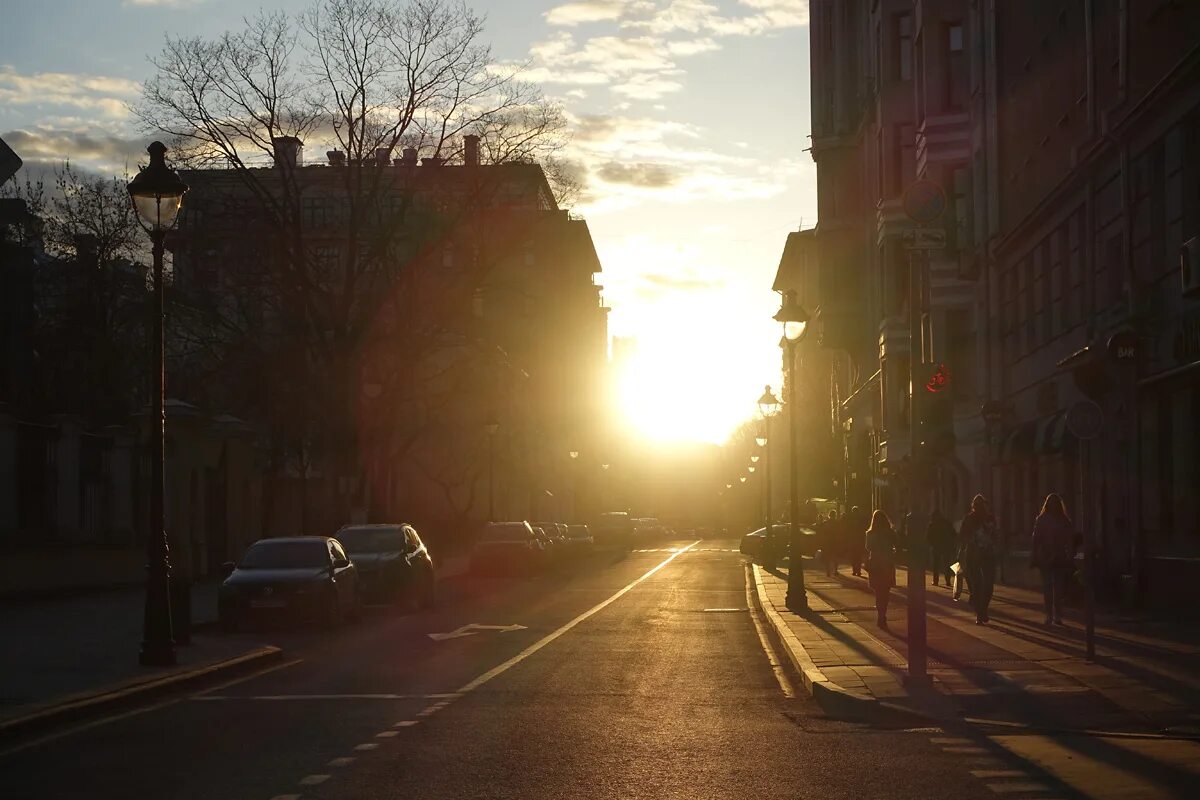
1130,719
71,651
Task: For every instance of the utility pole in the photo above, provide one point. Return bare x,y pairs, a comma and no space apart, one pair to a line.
924,203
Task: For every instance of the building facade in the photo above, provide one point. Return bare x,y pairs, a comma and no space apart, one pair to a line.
1064,138
469,299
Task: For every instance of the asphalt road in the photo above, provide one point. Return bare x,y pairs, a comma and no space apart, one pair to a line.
643,677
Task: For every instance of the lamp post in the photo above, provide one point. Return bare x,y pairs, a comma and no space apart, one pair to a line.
768,407
157,193
491,426
795,325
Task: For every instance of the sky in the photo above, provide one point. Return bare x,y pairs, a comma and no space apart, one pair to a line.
690,118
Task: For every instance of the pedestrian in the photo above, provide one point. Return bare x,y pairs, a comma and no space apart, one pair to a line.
1053,553
880,543
856,526
981,540
827,540
941,535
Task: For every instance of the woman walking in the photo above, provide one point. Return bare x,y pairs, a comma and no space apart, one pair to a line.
1053,554
881,541
981,542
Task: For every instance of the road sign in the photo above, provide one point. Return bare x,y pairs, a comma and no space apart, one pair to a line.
1085,419
472,629
925,239
924,202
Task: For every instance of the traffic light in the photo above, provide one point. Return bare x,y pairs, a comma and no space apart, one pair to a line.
937,412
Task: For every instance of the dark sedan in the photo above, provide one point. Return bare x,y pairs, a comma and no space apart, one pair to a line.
509,547
393,563
304,578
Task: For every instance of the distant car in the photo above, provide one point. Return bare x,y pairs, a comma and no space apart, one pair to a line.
648,528
308,578
613,529
753,543
509,547
579,539
394,565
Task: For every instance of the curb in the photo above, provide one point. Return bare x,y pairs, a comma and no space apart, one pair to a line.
132,693
834,700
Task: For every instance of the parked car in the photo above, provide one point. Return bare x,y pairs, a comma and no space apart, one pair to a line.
579,539
394,565
613,529
307,578
648,528
753,543
557,532
509,547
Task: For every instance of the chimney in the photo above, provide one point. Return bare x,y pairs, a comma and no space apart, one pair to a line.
382,156
432,161
336,158
409,158
471,150
289,151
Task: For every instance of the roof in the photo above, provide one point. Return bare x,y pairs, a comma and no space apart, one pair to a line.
799,250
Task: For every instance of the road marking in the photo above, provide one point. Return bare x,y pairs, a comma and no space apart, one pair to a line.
281,697
547,639
405,723
313,780
1012,788
773,659
385,734
999,773
723,610
343,761
50,737
471,630
366,746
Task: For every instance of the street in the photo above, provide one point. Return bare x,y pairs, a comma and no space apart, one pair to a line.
645,677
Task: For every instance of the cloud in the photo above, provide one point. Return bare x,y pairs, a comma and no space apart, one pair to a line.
649,175
104,94
100,150
581,11
673,283
647,87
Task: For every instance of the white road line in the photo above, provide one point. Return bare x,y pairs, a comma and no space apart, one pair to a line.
405,723
773,659
280,697
313,780
545,640
385,734
366,746
343,761
425,712
1013,788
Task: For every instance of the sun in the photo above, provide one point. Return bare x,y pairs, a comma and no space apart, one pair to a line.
692,376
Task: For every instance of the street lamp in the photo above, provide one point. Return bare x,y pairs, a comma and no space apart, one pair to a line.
491,426
768,406
795,325
754,458
742,479
751,468
157,193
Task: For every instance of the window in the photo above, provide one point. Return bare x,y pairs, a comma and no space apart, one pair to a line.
955,73
316,211
906,168
904,47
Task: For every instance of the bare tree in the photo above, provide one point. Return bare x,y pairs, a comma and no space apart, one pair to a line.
369,78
